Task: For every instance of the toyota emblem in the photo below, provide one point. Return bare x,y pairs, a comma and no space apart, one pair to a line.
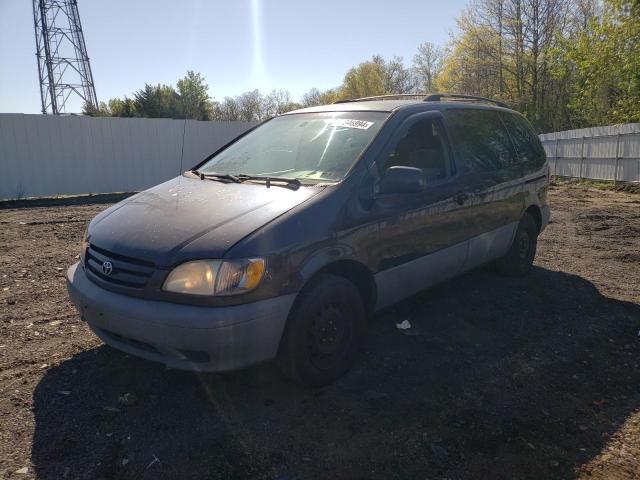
107,267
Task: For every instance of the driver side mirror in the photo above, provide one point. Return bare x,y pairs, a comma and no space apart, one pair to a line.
400,179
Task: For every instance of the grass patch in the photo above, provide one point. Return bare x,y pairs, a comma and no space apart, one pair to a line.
610,185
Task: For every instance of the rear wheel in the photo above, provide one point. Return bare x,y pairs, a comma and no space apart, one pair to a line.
518,260
323,331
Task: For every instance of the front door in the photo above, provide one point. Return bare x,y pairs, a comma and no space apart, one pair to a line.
422,236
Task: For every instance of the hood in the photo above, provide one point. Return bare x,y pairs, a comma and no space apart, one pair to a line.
187,218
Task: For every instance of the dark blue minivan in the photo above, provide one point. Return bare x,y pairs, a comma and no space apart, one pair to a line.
281,244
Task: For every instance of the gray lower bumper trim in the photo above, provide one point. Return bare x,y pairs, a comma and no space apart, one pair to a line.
182,336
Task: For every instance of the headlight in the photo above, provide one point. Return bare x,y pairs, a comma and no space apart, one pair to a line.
84,244
215,277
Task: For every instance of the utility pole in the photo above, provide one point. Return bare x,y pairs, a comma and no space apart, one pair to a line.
64,72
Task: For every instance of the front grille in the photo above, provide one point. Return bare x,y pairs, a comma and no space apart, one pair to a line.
125,271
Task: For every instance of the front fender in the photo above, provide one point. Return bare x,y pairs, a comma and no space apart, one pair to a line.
320,259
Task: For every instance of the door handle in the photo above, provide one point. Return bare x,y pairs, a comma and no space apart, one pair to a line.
461,197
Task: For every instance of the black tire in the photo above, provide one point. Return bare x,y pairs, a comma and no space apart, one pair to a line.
323,331
518,260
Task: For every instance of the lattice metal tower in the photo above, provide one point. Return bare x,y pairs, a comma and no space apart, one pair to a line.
63,65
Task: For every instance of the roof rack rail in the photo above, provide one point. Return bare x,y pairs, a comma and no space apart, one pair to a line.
437,97
427,97
384,97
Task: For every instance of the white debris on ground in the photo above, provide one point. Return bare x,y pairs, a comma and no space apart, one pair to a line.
404,325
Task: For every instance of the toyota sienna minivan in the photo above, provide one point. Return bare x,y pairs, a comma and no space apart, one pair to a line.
281,244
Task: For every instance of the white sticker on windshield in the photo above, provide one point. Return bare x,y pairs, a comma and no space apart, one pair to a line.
349,123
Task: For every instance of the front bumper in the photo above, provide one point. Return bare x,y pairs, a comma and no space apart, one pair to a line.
182,336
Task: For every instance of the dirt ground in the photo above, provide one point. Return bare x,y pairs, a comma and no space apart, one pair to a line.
531,378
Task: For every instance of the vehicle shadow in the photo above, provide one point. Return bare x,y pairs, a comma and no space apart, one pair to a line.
499,378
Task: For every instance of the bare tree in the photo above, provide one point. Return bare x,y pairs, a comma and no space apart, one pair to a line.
226,111
396,78
582,12
251,106
427,65
312,98
277,102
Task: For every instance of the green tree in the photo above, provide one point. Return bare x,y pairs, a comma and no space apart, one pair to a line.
194,97
364,80
125,107
377,77
158,101
115,107
315,97
505,49
91,111
605,61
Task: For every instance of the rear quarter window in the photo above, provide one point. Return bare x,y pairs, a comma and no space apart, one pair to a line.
480,139
528,146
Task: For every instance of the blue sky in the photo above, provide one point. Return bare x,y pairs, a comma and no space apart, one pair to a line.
237,45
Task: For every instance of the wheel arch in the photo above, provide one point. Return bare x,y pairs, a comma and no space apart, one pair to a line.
354,271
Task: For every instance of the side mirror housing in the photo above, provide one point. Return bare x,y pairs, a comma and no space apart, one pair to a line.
400,179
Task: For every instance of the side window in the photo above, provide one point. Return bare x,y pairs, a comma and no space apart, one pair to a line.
422,146
481,139
527,143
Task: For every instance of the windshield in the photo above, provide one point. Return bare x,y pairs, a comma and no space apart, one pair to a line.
312,147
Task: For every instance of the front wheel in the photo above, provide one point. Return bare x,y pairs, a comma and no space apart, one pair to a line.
323,331
518,260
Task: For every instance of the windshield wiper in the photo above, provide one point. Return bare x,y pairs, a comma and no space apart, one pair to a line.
292,183
217,176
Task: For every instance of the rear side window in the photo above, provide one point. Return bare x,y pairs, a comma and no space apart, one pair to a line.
528,147
421,145
481,139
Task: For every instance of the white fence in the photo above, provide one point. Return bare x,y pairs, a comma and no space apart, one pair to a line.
598,153
44,155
